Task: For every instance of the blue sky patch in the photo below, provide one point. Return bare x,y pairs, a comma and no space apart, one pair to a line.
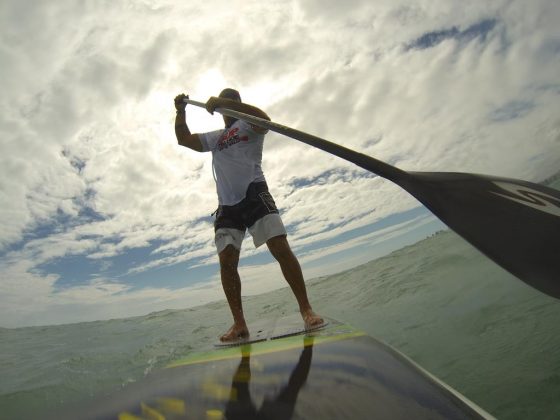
328,177
478,30
79,270
512,110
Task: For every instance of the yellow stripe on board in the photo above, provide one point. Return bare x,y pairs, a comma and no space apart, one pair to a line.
342,332
150,413
128,416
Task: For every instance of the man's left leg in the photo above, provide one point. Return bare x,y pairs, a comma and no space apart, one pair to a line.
229,260
280,249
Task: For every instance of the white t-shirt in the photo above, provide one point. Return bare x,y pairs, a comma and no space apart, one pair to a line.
236,157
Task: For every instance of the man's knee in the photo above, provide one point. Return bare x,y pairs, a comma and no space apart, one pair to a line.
229,257
279,247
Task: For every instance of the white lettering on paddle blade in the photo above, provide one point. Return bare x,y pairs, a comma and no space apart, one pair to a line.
529,197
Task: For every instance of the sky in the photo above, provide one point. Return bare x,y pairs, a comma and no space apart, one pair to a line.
103,215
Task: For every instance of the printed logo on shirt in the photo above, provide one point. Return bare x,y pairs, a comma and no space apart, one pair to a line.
229,138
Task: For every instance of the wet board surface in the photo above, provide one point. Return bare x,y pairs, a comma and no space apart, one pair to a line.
272,329
337,372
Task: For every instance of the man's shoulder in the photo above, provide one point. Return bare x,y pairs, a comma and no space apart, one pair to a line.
252,128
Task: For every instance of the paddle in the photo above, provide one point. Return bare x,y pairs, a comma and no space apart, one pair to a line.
515,223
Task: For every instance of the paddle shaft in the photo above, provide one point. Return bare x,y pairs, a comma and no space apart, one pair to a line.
364,161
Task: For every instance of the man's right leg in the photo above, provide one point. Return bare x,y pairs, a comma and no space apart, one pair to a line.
229,260
291,269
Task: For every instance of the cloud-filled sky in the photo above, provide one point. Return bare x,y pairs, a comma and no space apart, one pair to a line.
102,214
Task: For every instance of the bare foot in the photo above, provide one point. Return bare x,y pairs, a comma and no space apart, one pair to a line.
236,332
311,319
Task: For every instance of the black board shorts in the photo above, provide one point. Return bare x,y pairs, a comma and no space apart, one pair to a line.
256,212
258,202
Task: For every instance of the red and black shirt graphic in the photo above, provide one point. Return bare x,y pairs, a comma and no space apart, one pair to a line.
229,138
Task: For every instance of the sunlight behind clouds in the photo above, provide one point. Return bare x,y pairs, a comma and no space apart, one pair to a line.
209,81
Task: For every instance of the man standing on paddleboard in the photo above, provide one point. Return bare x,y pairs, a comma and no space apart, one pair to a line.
244,202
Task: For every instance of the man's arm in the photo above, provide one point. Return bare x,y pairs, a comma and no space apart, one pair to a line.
182,132
215,102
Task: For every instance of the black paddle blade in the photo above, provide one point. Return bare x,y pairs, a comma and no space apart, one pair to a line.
515,223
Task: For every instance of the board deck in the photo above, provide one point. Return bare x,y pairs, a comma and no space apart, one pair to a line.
337,372
272,329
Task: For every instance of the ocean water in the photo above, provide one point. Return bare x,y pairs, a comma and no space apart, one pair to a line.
439,301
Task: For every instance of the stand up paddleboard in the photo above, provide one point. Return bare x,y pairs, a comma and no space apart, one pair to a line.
335,372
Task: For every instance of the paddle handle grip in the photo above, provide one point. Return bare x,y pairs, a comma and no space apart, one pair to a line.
195,103
364,161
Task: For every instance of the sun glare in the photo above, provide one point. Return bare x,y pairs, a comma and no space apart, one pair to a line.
209,84
261,93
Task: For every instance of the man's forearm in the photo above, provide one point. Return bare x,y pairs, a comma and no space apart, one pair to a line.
241,107
183,134
250,110
181,127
